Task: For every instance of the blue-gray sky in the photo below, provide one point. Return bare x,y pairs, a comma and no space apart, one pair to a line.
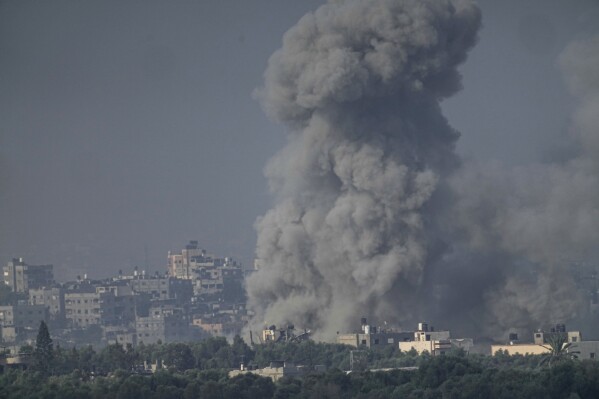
131,125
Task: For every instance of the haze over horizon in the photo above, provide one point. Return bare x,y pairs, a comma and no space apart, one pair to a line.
125,127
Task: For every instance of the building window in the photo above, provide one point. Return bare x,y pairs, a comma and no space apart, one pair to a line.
574,339
363,342
592,355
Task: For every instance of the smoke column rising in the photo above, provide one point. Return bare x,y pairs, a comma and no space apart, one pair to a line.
358,185
538,220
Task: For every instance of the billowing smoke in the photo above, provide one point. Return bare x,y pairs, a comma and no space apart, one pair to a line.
360,182
376,215
541,222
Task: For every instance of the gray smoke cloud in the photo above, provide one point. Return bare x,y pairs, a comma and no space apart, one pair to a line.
360,182
540,222
376,215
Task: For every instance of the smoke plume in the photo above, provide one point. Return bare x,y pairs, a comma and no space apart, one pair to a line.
376,215
540,221
358,185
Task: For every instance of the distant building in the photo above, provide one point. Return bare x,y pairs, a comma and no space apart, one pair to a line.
15,361
123,304
99,305
161,287
426,339
16,319
84,309
209,275
540,344
214,276
278,369
179,264
119,335
218,326
21,277
165,324
52,298
423,339
372,336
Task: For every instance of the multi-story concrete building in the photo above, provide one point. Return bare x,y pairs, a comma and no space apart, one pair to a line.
86,308
21,277
222,325
210,275
52,298
123,304
217,275
16,319
179,264
163,287
99,304
165,324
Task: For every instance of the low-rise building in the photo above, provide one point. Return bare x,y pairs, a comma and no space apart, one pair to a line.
541,341
278,369
426,339
372,336
119,335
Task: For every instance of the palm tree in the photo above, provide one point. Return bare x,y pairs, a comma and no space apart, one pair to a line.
559,349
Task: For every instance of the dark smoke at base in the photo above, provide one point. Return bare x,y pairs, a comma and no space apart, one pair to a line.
374,214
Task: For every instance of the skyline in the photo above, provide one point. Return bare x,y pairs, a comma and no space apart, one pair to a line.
126,127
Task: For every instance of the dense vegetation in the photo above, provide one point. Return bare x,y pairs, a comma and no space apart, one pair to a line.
199,370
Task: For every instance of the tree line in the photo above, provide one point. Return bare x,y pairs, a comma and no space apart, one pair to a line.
200,370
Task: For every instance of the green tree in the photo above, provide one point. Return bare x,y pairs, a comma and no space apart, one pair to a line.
179,357
241,351
211,390
44,351
114,357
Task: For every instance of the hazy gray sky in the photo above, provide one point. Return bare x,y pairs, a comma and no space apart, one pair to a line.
128,125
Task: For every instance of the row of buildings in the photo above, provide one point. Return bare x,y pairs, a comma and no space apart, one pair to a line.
542,341
426,339
202,297
423,339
